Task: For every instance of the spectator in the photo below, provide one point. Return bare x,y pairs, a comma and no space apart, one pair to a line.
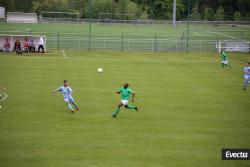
32,46
40,45
6,46
17,47
26,45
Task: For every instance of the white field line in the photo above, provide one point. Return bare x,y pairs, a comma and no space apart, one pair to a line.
225,35
64,55
4,97
243,25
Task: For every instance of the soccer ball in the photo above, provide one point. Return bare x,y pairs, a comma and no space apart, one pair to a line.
100,70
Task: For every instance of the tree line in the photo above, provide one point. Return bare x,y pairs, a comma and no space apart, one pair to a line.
139,9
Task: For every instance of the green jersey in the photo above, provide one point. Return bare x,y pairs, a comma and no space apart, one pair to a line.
125,93
223,56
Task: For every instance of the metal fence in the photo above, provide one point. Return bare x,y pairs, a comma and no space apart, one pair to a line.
136,21
130,43
133,42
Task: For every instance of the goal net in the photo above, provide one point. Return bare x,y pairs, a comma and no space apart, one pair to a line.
20,17
233,46
58,16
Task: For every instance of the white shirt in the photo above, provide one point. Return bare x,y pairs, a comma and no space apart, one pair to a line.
247,71
66,91
41,41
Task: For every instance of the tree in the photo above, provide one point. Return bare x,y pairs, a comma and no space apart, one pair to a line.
220,14
237,16
195,15
208,14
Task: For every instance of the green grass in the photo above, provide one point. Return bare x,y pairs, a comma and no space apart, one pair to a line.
190,110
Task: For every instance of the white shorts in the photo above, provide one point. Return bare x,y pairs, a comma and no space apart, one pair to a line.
224,62
69,100
124,102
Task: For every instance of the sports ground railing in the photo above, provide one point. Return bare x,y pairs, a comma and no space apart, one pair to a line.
136,21
134,42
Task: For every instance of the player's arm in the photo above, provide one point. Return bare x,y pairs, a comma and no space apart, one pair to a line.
133,96
56,90
119,91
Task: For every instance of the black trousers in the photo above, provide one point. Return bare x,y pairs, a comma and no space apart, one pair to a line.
32,49
40,47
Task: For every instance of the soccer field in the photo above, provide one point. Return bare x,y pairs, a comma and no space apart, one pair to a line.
189,110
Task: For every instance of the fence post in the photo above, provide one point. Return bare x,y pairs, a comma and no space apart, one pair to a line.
79,44
155,43
104,44
200,45
176,48
217,37
58,40
122,43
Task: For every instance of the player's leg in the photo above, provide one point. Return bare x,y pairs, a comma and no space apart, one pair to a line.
77,108
227,64
245,83
222,65
117,110
131,107
69,105
72,101
126,105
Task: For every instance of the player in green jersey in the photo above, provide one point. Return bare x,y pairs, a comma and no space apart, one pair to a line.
125,94
224,60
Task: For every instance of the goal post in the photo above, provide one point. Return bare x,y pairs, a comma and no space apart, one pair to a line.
58,15
233,46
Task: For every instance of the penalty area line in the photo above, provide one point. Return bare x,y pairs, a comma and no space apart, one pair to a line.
5,96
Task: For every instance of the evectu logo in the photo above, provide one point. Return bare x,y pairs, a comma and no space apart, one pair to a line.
235,154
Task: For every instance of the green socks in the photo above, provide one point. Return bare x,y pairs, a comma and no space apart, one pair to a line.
131,107
116,111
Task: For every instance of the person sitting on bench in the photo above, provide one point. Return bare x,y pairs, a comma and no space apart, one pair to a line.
32,48
6,46
17,47
26,45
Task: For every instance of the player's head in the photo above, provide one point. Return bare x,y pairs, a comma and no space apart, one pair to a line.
65,83
247,64
126,85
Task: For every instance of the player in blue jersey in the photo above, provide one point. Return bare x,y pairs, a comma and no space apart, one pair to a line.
67,94
246,75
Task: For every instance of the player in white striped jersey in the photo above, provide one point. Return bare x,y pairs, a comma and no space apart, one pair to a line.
246,75
67,94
